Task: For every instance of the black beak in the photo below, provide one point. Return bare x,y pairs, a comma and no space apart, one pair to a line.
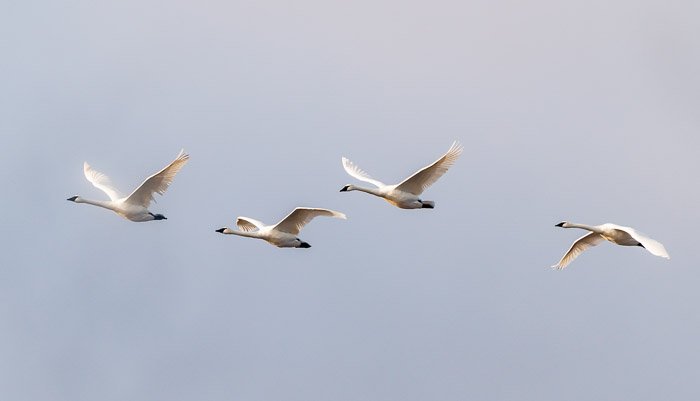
221,230
72,198
345,188
304,245
560,225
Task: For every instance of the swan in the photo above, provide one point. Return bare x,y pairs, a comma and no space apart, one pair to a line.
135,206
619,235
406,194
283,234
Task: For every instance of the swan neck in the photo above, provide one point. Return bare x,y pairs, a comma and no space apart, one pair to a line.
104,204
242,233
584,227
372,191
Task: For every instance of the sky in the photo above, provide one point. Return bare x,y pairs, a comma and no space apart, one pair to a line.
583,111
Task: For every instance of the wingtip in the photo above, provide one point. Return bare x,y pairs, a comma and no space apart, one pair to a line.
457,147
341,215
182,155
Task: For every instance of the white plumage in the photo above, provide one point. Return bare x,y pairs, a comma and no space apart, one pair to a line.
283,234
406,194
625,236
135,206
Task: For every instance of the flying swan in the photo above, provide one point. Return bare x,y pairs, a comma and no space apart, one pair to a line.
135,206
283,234
619,235
406,194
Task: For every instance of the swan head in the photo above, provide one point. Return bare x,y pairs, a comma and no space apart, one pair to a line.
347,188
73,198
221,230
304,245
563,224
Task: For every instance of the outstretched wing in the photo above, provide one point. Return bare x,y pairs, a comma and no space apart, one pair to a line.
354,171
247,224
301,216
101,181
587,241
418,182
653,246
158,182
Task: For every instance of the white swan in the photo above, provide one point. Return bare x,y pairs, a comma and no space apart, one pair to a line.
406,194
135,206
619,235
283,234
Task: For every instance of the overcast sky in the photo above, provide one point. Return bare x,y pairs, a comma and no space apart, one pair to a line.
584,111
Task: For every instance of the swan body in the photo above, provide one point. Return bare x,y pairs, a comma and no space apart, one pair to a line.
405,195
135,206
283,234
620,235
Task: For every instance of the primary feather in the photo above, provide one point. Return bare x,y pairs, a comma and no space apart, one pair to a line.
354,171
158,182
101,181
247,224
299,217
587,241
422,179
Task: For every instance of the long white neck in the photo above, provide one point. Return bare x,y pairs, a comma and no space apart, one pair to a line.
373,191
594,229
254,234
105,204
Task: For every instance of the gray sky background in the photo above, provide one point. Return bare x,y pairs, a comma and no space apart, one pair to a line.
581,110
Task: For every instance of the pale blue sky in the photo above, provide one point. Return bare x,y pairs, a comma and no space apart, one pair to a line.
584,110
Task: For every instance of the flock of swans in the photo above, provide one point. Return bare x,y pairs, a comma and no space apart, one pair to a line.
284,234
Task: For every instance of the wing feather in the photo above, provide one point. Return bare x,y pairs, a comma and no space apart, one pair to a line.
247,224
299,217
101,182
354,171
651,245
418,182
587,241
158,182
